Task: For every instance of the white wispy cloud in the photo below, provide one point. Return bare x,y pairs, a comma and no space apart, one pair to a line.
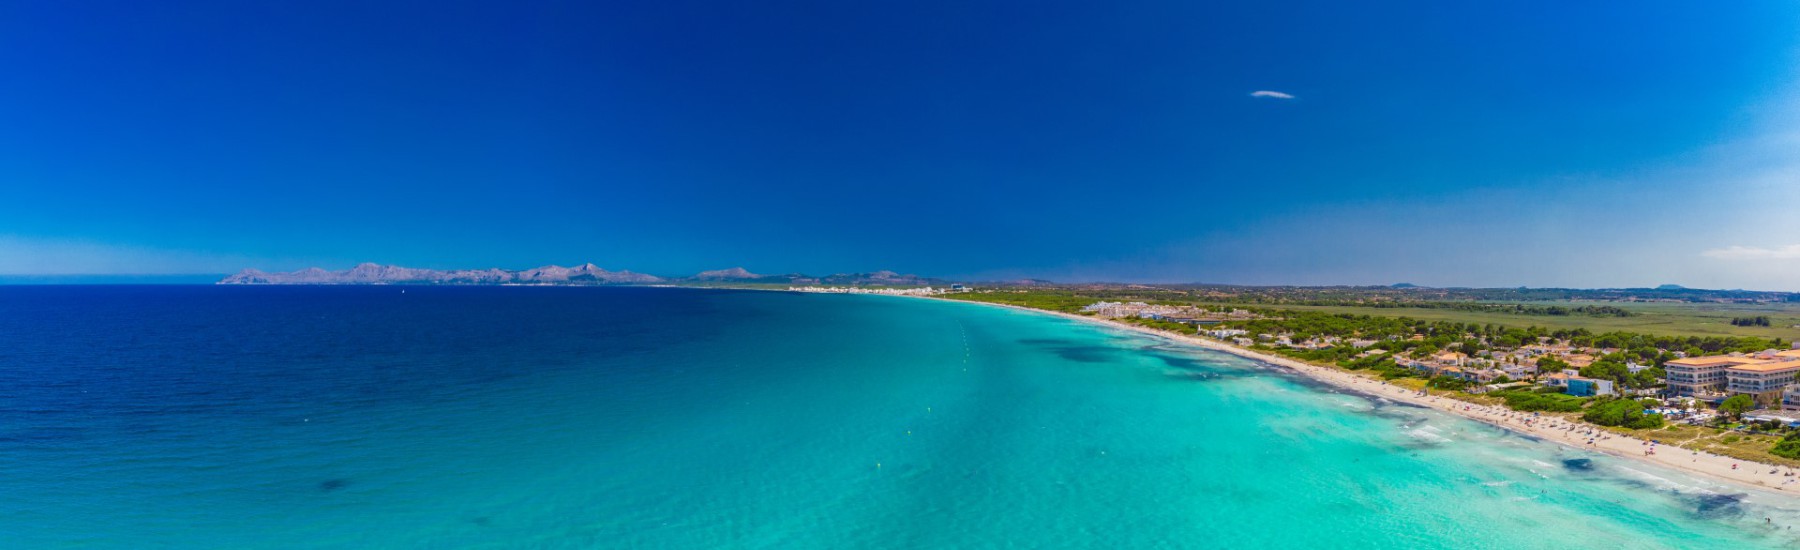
1271,93
1735,252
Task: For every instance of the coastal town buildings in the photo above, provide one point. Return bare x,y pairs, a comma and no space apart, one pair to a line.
1114,309
925,291
1180,314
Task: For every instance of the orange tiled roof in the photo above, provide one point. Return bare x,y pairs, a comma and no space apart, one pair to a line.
1776,366
1714,360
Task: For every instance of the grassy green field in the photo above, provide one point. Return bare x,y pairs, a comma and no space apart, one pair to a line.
1670,319
1658,318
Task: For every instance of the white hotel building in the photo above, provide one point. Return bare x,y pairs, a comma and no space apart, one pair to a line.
1763,381
1703,376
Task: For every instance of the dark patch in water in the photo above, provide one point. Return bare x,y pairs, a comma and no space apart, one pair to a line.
1085,354
1068,349
1382,408
1192,376
1180,362
1509,433
483,521
330,485
1289,374
1636,485
1420,445
1579,464
1718,506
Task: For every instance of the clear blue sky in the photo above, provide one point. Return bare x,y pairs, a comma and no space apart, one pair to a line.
1447,143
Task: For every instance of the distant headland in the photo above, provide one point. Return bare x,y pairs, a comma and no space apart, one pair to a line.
585,274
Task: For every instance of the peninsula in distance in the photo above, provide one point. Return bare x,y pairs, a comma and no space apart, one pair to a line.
585,274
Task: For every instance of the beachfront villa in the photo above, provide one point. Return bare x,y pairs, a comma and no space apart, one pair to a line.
1225,333
1588,387
1702,376
1517,371
1451,358
1763,381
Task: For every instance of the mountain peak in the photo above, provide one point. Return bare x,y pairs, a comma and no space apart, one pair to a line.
376,274
724,274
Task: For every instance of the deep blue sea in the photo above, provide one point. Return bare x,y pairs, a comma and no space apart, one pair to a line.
512,417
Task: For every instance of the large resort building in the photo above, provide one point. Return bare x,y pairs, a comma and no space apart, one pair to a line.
1763,381
1702,377
1764,376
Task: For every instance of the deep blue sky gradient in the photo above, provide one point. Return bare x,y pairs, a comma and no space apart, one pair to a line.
1113,141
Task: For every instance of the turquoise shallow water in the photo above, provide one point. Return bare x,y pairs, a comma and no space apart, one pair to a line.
217,417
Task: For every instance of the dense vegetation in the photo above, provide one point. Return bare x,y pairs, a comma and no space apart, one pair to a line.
1516,309
1443,382
1469,337
1539,399
1736,405
1368,295
1622,412
1789,446
1757,321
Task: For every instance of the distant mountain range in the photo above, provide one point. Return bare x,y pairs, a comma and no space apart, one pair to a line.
373,274
590,274
586,274
733,274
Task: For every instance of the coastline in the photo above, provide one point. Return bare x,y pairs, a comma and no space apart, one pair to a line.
1748,475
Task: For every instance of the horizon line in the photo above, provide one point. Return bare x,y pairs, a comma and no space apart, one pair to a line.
50,277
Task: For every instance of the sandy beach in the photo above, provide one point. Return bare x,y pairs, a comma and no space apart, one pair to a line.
1731,471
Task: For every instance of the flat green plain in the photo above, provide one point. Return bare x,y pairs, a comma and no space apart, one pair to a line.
1661,318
